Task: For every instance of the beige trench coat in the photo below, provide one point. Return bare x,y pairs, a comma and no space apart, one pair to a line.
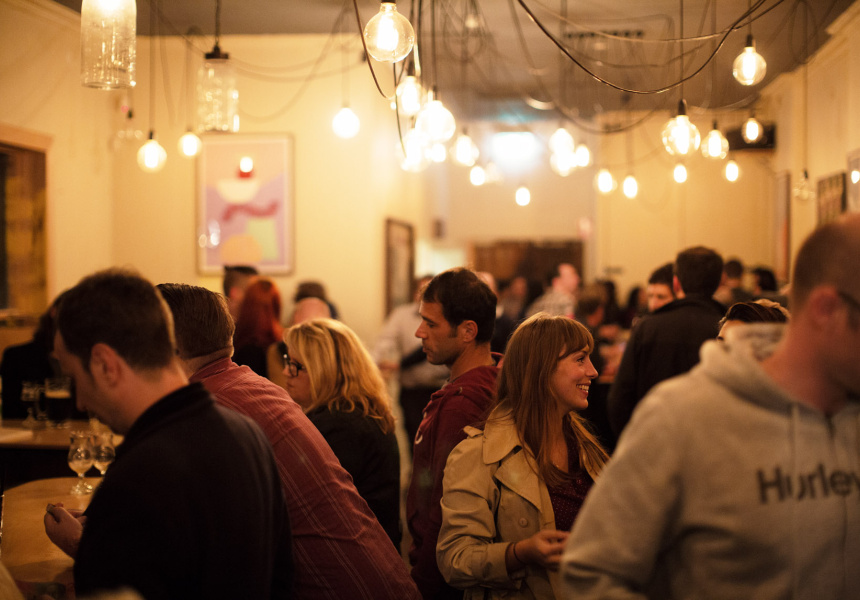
493,497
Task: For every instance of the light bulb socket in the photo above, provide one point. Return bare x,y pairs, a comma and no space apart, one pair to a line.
750,42
217,54
715,124
682,107
151,134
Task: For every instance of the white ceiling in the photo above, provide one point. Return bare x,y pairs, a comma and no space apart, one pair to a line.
506,64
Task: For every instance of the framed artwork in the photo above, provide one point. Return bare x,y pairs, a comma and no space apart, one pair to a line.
852,196
782,225
245,213
399,263
831,197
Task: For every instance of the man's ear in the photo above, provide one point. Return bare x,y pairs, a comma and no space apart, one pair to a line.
105,364
468,331
821,304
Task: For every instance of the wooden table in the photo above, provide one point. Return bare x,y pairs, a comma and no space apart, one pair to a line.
25,549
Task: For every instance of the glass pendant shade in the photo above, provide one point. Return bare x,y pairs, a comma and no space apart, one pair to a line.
389,35
732,171
523,196
630,187
561,141
680,173
680,136
803,190
190,144
410,96
465,152
108,43
715,145
751,131
217,94
477,176
151,156
605,181
749,67
435,122
346,123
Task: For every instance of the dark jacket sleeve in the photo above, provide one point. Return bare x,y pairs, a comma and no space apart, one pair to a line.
622,395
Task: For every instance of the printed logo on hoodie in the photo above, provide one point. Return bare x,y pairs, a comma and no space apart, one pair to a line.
779,486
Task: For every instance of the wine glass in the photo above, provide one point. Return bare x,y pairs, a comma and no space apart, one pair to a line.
80,460
29,397
103,451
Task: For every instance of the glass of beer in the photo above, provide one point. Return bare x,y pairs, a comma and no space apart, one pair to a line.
58,400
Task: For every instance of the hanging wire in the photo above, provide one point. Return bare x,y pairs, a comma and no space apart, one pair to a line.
367,55
152,66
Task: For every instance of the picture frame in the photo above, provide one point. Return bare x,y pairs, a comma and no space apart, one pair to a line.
245,212
399,263
830,197
782,225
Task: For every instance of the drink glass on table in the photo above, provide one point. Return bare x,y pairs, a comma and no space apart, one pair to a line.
58,400
80,460
103,451
30,391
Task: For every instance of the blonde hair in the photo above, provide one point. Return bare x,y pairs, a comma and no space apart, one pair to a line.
524,387
342,374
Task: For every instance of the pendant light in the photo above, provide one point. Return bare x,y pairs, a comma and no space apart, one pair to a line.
477,176
435,121
151,156
189,144
409,92
108,43
679,173
749,67
751,130
715,144
389,36
604,181
346,123
680,136
732,171
630,187
523,196
464,151
217,92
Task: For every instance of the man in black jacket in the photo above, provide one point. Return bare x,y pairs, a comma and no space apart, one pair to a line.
666,343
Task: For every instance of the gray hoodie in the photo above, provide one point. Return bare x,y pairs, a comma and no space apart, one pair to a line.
724,486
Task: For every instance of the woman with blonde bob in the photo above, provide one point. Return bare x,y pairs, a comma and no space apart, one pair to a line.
332,377
512,491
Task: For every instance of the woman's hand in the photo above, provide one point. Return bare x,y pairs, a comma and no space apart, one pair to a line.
543,549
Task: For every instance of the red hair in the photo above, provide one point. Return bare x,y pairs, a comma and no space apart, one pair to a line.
259,316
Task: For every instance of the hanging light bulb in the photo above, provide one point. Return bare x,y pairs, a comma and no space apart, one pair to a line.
465,152
561,142
435,121
477,176
751,130
346,123
415,146
437,152
151,156
108,43
410,95
630,187
605,181
749,67
189,144
217,94
563,163
583,156
523,196
732,171
389,35
680,136
715,144
680,173
803,190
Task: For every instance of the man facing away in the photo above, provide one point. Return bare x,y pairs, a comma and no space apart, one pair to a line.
560,297
666,343
192,506
741,479
458,311
340,549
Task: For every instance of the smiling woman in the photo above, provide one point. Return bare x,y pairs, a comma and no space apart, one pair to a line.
535,458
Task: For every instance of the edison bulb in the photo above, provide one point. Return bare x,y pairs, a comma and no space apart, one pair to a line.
732,171
410,95
416,157
680,173
751,131
389,35
346,124
715,144
151,156
435,122
190,144
465,152
563,163
680,136
749,67
630,187
561,141
437,152
477,176
583,156
523,196
605,182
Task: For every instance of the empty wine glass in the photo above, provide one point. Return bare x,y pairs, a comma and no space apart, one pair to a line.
103,451
80,460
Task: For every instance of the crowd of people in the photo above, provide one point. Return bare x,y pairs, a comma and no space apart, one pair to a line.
701,442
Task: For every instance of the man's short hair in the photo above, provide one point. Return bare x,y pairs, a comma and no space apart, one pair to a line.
734,269
233,274
699,270
201,319
119,308
464,297
827,257
663,275
590,300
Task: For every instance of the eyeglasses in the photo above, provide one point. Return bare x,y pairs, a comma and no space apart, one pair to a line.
293,366
849,300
